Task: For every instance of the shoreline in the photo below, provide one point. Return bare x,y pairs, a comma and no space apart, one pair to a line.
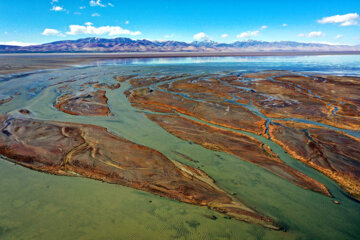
16,63
182,54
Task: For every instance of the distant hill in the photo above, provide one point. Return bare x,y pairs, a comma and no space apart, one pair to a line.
129,45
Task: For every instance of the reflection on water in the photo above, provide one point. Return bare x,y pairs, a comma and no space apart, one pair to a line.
35,205
335,64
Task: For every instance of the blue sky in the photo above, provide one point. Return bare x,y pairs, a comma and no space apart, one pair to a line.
40,21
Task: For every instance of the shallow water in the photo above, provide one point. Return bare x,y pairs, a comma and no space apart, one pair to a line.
36,205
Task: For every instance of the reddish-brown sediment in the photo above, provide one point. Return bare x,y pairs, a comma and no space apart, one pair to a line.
90,83
147,81
263,74
220,113
90,151
237,144
333,153
278,100
64,148
6,100
153,108
106,85
311,98
330,88
24,111
331,100
211,87
87,104
124,78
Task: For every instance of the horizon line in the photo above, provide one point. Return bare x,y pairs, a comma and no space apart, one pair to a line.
21,44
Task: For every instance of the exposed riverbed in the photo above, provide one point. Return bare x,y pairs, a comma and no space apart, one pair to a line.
36,205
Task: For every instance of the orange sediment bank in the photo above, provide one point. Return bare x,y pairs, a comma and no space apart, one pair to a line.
124,78
87,104
237,144
266,104
6,100
332,153
220,113
311,98
93,152
146,81
108,86
227,99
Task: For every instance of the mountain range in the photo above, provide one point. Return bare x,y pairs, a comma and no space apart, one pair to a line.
130,45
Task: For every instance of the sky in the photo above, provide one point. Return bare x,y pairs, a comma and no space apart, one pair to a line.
25,22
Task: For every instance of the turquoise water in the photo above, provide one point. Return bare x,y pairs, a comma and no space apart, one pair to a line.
35,205
337,64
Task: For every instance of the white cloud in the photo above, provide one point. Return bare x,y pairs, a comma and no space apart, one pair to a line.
169,36
127,22
96,3
339,36
89,23
225,35
201,36
16,43
284,25
51,32
57,9
82,7
349,23
95,15
312,34
344,20
109,30
248,34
